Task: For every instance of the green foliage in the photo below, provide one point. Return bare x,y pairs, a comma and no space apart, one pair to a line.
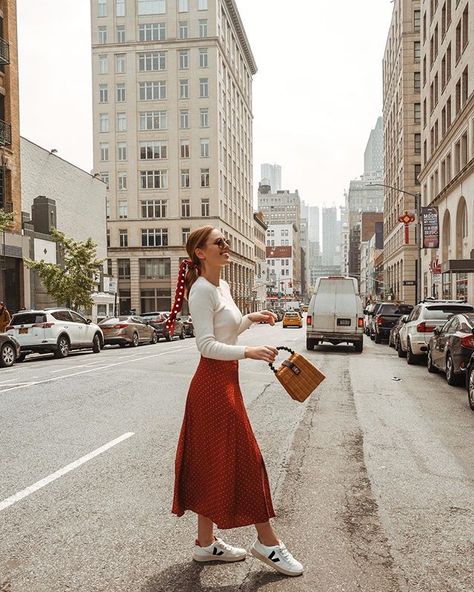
70,284
6,219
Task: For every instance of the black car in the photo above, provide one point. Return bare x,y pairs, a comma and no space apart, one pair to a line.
188,325
470,382
451,347
158,321
392,338
385,316
9,350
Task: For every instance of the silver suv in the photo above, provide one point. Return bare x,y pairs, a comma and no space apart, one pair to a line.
54,330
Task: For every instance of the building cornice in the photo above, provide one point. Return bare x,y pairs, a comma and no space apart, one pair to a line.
239,27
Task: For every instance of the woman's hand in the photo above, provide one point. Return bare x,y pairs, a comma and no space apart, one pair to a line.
267,353
264,316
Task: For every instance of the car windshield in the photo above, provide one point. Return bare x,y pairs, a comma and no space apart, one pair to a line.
395,309
151,316
441,312
28,318
113,320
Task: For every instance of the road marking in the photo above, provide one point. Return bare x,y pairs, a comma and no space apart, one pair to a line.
77,463
127,361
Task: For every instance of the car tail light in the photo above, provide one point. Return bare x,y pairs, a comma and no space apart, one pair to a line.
424,328
360,323
121,326
309,320
379,319
43,325
468,342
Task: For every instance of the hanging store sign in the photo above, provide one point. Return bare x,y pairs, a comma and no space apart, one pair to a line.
430,222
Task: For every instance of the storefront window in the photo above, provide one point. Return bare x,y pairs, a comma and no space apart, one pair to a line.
447,291
461,286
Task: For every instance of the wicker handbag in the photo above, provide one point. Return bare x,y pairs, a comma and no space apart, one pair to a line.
298,376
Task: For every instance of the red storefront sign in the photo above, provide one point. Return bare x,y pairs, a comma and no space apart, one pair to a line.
279,252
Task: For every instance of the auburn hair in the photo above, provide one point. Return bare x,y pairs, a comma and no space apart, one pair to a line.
196,240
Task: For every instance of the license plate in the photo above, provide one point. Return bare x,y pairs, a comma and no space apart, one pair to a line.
23,331
343,322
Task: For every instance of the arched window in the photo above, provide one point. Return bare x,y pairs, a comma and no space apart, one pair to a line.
446,234
461,228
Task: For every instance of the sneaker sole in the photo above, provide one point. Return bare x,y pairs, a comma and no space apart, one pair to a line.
276,567
202,559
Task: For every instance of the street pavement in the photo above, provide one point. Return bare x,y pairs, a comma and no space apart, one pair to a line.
372,477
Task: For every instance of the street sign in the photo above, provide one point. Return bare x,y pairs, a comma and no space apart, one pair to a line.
409,282
430,223
437,280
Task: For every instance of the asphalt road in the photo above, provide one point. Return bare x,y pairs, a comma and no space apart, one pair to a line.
372,477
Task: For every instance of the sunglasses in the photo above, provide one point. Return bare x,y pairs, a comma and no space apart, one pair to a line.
222,243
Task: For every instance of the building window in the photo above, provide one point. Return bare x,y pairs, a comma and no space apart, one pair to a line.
417,20
154,179
204,117
185,232
104,151
154,61
120,7
417,50
153,120
417,112
417,143
108,236
152,91
153,150
184,59
184,119
105,178
185,179
205,208
122,181
185,208
154,208
184,149
184,89
123,266
123,238
120,32
204,148
417,174
103,93
154,237
102,35
152,32
123,210
121,122
109,266
103,122
204,88
122,151
202,4
151,7
417,81
183,5
204,177
155,269
203,58
183,29
120,63
202,27
120,93
102,8
103,64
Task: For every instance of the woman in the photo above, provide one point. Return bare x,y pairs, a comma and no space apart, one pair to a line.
220,473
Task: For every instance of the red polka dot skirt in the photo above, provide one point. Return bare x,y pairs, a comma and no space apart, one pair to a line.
220,472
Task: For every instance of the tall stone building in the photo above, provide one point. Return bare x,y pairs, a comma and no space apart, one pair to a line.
447,176
13,245
172,84
373,155
402,146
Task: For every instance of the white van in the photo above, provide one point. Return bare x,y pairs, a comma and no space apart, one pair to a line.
335,313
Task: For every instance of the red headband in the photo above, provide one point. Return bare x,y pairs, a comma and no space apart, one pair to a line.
179,294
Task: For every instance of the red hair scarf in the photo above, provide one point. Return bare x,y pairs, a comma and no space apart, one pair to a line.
185,265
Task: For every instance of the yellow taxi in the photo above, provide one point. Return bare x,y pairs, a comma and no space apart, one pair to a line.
292,319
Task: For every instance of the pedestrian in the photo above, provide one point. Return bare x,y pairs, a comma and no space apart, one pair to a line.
5,317
219,472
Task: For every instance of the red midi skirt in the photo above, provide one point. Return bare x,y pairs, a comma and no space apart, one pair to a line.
219,470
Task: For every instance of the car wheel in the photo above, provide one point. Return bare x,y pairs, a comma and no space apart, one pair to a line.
192,333
378,338
96,343
135,340
62,350
398,347
7,355
372,336
411,358
122,344
21,358
451,377
310,343
182,335
154,338
359,346
168,337
429,363
470,388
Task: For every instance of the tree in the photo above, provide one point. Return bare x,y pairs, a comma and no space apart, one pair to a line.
72,283
6,219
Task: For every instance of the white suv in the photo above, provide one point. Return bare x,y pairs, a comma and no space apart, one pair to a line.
54,330
415,333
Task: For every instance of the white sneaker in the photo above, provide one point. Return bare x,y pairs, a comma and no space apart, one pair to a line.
219,551
277,557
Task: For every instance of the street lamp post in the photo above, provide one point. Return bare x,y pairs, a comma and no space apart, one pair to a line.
417,197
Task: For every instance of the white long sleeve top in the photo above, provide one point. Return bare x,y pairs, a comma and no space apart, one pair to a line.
217,320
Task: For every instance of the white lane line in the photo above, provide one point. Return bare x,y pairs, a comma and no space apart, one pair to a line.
77,463
73,367
127,361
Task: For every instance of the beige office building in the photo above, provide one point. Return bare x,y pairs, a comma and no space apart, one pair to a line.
448,145
402,146
172,84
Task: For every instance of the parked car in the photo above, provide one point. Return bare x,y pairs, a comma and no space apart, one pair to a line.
9,350
393,335
335,313
127,330
188,325
292,319
54,330
470,382
158,321
385,317
414,336
451,347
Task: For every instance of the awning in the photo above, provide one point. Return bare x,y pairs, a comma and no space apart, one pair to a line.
458,266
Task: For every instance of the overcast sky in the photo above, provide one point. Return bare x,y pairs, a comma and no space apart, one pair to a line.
317,94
